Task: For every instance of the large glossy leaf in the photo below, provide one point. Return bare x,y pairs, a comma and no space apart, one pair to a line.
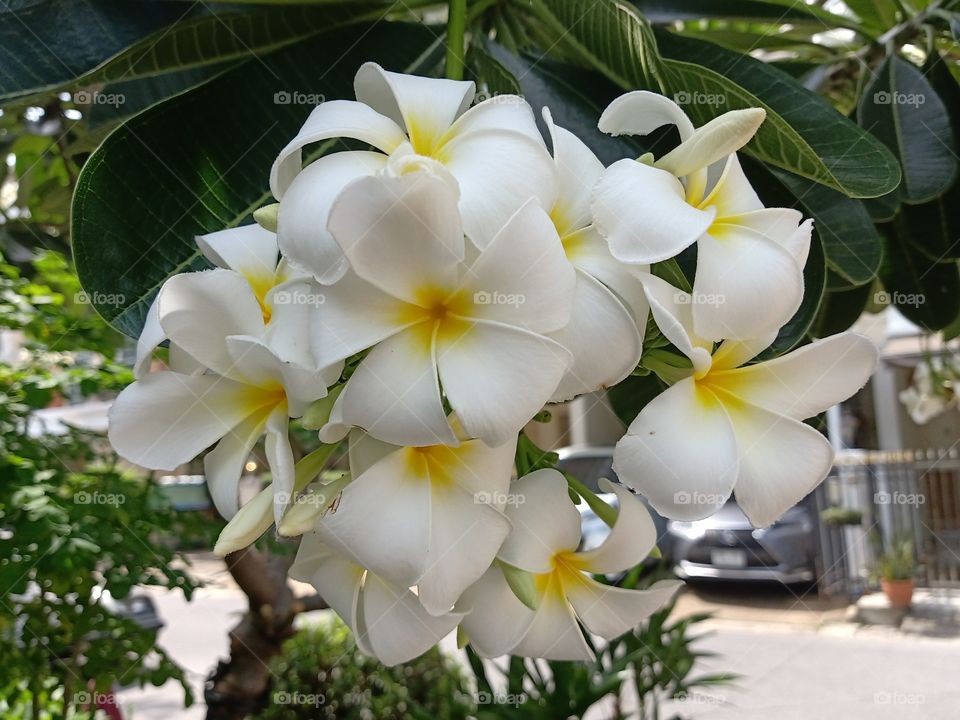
802,133
901,109
927,293
199,162
839,310
52,43
851,244
668,11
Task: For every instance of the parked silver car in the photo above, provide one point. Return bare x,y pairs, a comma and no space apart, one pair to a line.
725,546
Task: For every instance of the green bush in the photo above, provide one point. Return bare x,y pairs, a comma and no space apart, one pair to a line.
321,674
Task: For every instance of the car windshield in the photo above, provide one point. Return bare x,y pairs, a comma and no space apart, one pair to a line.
589,469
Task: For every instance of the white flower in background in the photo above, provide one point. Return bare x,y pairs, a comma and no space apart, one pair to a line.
423,516
167,418
724,426
252,252
494,151
435,314
932,390
387,619
543,542
608,300
750,259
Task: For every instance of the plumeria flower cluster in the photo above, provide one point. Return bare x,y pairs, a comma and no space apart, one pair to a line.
420,302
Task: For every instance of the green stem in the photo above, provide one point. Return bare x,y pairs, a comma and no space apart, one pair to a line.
603,511
456,33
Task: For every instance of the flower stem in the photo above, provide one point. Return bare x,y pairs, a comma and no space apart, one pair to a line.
603,511
456,32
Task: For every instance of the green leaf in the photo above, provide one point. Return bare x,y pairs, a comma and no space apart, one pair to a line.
58,42
629,397
901,109
802,134
199,162
851,244
927,293
778,11
839,310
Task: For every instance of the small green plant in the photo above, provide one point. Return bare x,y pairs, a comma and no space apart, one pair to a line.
839,516
897,562
322,675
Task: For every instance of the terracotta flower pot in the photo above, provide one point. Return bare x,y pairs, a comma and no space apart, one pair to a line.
898,592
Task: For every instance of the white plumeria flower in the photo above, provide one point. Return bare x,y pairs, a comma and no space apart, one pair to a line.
387,619
423,516
724,426
166,418
608,300
252,252
434,313
750,259
494,151
546,533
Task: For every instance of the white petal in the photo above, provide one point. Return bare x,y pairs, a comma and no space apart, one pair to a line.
598,363
293,307
166,419
302,220
383,520
643,213
280,458
497,377
734,353
150,338
746,284
495,619
255,362
334,119
522,277
426,107
641,112
503,112
554,633
672,309
401,234
720,137
498,171
223,465
334,576
366,451
798,242
350,317
394,394
465,535
782,225
680,453
610,611
483,472
781,461
249,250
588,251
199,310
395,625
180,361
806,381
545,522
251,521
733,195
578,170
629,542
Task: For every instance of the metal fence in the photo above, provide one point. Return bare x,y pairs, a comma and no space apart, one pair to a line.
911,494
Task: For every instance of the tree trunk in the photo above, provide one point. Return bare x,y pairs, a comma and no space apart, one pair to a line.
241,684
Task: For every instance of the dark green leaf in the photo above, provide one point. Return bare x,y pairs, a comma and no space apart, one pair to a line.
199,162
668,11
927,293
802,133
630,396
840,309
901,109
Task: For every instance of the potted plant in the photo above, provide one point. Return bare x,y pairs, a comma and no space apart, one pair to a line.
895,567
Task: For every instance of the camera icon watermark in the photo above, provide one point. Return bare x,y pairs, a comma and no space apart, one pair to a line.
299,699
297,297
498,499
95,97
884,297
295,97
882,497
697,97
885,97
99,299
483,297
96,497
